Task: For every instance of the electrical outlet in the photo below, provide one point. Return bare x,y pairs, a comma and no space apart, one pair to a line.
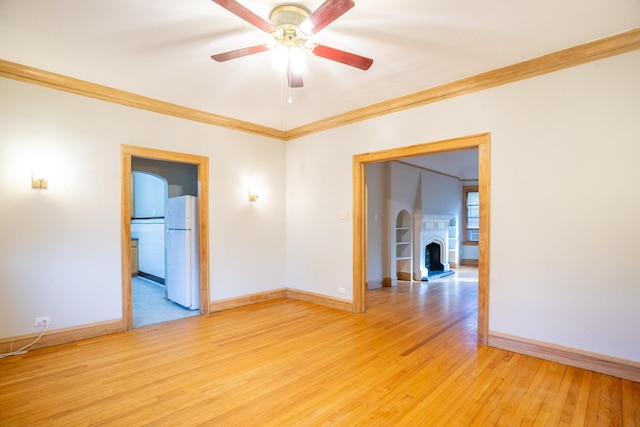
341,290
42,321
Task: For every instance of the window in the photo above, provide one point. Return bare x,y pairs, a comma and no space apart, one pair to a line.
471,214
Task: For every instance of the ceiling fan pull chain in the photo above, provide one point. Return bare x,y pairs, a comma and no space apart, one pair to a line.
290,71
281,88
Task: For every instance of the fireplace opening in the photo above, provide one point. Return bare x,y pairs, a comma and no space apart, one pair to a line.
432,257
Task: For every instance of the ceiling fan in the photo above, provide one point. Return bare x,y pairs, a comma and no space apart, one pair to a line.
291,27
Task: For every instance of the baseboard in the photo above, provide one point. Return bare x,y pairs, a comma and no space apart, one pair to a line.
151,277
616,367
469,262
388,282
374,284
76,333
61,336
319,299
228,304
404,275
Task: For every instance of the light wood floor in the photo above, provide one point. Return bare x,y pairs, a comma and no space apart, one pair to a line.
412,359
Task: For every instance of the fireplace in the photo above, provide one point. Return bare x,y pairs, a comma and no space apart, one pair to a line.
432,231
432,257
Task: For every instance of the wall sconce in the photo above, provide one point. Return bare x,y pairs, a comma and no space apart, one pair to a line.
38,181
253,197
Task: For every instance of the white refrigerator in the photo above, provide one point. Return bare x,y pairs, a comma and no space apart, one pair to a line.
181,254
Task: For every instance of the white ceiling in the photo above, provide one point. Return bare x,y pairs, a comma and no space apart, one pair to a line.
463,164
161,48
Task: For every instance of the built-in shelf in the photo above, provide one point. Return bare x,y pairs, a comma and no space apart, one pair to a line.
454,245
403,252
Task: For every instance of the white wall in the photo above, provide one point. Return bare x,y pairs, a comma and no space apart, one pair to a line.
377,200
60,248
564,156
149,195
564,179
469,252
441,195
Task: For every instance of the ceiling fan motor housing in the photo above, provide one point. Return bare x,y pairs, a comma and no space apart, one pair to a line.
287,19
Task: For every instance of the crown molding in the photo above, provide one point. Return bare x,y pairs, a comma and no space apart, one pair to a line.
23,73
577,55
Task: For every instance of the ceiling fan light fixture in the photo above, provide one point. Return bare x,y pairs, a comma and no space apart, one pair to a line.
298,58
306,26
279,58
282,56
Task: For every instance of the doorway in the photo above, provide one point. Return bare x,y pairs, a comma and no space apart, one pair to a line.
482,143
151,253
200,165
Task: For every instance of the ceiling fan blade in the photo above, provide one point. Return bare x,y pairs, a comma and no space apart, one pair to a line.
294,79
238,53
328,12
341,56
244,13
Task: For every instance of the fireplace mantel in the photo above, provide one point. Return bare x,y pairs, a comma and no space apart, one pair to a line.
429,228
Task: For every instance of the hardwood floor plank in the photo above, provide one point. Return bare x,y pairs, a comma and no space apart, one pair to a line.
604,409
500,413
582,400
411,359
616,401
514,412
630,403
569,406
484,388
593,405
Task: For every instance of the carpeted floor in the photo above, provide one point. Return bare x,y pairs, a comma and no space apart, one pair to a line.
150,306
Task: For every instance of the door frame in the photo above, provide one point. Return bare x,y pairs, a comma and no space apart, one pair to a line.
129,151
479,141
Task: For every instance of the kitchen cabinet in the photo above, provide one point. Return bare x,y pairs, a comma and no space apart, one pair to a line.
134,257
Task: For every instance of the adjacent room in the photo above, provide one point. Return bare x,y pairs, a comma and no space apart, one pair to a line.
164,284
